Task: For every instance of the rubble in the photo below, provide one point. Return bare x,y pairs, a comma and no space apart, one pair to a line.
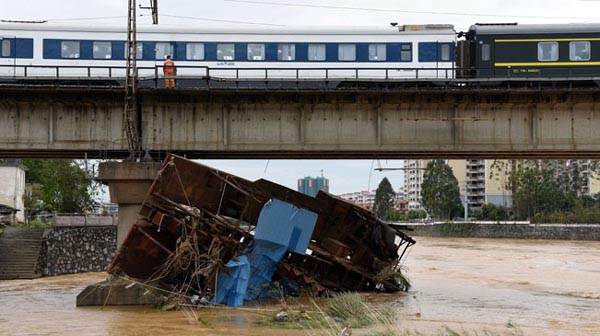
203,233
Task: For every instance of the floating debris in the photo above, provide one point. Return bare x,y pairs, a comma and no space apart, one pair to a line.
207,236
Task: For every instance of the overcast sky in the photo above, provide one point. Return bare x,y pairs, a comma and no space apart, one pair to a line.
345,176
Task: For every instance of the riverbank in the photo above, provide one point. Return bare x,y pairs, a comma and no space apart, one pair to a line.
508,230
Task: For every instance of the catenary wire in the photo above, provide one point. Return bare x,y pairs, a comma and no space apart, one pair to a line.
385,10
221,20
166,15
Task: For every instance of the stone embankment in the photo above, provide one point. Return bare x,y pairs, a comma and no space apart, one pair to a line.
508,230
79,244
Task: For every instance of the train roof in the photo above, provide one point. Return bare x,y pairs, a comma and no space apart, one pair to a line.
283,30
515,29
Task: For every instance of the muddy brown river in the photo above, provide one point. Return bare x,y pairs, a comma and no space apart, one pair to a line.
502,286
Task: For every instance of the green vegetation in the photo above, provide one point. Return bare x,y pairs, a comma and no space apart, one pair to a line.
354,311
441,197
384,200
36,223
398,216
57,186
546,191
458,230
491,212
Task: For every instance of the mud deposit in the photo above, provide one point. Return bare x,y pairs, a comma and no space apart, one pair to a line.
541,287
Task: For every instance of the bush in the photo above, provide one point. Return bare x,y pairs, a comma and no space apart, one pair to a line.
491,212
36,223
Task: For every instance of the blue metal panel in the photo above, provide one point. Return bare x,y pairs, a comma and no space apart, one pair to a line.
432,52
301,52
232,282
210,51
241,52
428,51
179,51
362,52
393,51
271,52
452,52
86,50
277,221
118,50
51,49
331,52
22,48
264,259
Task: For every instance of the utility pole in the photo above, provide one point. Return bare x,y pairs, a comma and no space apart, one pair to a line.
132,113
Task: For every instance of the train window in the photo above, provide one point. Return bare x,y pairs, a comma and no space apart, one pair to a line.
70,49
406,53
580,51
548,51
316,52
485,52
162,50
194,51
5,48
445,52
286,52
377,52
225,51
256,52
139,52
347,52
102,50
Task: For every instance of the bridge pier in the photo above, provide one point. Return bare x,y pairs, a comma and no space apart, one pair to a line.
128,183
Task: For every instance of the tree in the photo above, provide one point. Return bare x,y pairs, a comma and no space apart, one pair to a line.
491,211
541,187
439,191
57,186
384,199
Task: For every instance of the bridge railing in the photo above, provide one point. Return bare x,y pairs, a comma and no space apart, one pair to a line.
67,72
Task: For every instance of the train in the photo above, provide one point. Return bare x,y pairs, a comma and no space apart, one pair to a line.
394,52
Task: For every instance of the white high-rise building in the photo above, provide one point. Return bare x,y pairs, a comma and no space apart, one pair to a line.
413,178
364,198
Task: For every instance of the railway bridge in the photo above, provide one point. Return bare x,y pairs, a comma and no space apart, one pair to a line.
329,119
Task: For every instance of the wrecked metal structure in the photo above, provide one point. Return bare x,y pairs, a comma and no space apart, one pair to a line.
204,233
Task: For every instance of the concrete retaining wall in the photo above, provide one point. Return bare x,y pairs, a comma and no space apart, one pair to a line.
511,231
82,220
78,249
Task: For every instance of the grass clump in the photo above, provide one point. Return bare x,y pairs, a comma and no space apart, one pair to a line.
352,308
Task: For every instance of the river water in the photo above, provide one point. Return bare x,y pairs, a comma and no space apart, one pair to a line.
502,286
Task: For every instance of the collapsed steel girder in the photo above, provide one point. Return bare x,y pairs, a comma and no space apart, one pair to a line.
195,219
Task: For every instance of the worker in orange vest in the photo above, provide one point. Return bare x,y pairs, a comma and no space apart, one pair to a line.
169,72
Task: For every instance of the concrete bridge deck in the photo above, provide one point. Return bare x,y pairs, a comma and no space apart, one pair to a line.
302,119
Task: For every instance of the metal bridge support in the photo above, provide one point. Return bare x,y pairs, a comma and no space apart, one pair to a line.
128,183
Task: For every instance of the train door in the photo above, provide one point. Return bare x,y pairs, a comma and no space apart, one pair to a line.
8,56
485,58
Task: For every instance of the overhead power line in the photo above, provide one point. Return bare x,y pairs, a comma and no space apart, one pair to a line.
89,18
162,15
222,20
386,10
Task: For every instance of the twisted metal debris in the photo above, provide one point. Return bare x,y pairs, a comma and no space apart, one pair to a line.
198,226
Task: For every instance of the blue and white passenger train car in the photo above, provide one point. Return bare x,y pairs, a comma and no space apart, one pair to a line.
311,52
